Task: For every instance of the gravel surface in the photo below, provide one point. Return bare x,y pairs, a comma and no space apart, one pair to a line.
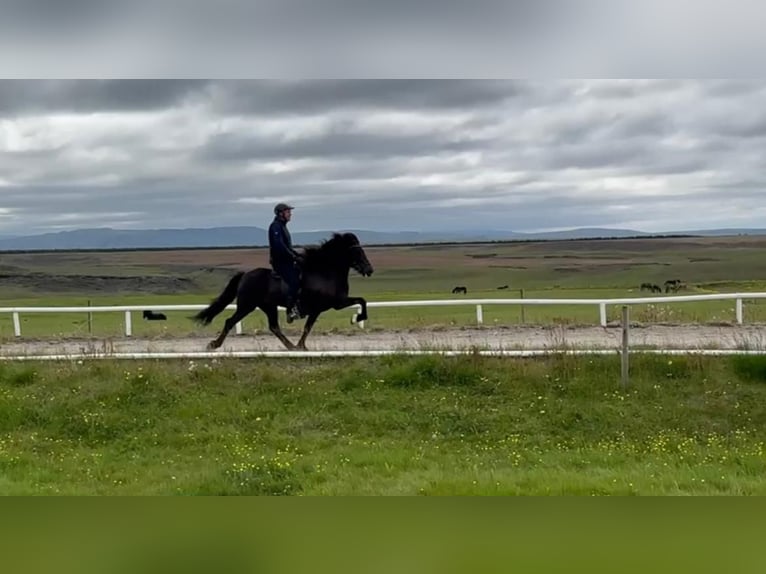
512,338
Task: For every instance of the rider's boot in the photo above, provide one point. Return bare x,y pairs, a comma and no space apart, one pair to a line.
293,312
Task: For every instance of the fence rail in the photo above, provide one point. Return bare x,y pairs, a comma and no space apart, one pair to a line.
479,303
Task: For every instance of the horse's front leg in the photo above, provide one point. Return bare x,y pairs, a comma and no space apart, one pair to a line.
348,302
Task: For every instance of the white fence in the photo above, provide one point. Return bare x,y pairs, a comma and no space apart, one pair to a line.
479,303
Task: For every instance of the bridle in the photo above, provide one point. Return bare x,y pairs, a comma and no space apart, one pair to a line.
359,247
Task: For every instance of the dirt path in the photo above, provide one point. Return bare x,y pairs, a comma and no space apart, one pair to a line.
535,338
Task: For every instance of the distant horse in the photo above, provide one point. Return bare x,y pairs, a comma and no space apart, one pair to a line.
672,285
324,286
503,287
651,287
152,316
460,289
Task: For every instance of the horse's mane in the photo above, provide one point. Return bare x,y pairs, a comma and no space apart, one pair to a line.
328,251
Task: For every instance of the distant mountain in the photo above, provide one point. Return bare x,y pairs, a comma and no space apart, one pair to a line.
723,232
106,238
583,233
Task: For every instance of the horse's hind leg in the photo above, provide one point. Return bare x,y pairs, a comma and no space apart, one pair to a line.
306,330
236,317
273,315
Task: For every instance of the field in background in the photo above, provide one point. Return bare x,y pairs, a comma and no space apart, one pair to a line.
541,269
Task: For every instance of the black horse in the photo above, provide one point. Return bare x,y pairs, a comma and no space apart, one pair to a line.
152,316
324,286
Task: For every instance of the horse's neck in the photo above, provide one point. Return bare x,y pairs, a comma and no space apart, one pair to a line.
337,274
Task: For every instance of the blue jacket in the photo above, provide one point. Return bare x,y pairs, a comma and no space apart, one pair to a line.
280,244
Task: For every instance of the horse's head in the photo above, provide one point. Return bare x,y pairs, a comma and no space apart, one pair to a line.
357,258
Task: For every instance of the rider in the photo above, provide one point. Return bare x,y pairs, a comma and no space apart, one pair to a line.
283,258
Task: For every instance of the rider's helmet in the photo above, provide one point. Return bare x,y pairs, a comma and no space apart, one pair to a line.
280,207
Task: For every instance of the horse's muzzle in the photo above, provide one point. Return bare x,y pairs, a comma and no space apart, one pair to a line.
366,270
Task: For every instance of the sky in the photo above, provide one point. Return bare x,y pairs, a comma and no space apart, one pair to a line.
387,155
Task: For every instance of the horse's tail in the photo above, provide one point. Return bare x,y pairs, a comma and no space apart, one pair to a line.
229,293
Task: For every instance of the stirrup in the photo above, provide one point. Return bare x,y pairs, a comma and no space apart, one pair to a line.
293,314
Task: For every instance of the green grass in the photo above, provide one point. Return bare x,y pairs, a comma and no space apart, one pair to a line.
395,425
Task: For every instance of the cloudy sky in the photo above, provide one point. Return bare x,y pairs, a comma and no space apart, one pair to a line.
383,155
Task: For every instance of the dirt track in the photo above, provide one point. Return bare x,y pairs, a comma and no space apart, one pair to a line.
536,338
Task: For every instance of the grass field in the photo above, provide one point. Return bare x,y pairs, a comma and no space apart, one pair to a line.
393,426
550,269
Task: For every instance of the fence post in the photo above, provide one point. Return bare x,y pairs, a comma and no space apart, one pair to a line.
602,312
625,329
16,324
90,320
739,311
479,315
128,324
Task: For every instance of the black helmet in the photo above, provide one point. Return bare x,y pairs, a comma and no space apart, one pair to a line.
280,207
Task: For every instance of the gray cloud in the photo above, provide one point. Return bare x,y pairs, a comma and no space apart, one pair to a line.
261,97
336,142
91,96
392,155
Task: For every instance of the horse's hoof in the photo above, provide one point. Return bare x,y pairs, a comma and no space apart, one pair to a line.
358,318
212,346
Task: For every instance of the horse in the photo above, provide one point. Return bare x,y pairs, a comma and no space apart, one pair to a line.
324,285
672,285
460,289
152,316
651,287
